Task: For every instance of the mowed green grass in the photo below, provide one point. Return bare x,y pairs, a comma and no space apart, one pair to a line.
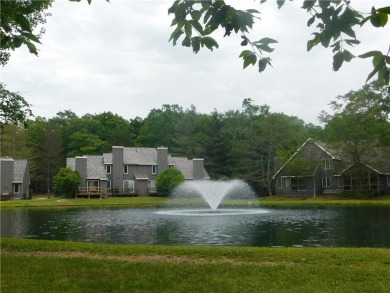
43,201
54,266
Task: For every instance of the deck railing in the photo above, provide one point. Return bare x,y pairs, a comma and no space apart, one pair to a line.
91,191
124,191
152,191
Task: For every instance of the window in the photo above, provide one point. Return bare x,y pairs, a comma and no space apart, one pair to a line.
128,184
152,184
388,180
298,184
93,183
347,182
125,169
108,184
17,188
108,169
340,182
154,169
326,182
325,164
279,182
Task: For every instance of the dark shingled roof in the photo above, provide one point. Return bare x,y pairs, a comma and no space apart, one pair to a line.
95,167
135,156
20,167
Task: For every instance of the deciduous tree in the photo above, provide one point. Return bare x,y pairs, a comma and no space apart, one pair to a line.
13,108
66,182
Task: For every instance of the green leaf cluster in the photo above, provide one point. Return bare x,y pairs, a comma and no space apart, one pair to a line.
251,56
335,20
66,181
168,180
18,20
381,65
202,18
13,108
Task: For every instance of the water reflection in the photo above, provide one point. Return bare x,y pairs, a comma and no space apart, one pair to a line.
317,226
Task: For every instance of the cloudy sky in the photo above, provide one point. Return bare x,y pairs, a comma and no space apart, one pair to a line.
116,57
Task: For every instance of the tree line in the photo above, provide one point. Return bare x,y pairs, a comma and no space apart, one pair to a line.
244,144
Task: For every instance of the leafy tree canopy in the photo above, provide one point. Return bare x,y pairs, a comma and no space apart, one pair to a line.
13,108
18,21
196,21
335,22
66,182
168,180
359,120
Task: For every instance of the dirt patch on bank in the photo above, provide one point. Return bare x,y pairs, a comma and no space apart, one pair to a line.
142,258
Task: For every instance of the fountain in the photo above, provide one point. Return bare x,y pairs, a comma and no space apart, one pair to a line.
212,194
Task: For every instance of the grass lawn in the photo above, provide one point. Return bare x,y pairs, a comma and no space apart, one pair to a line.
54,266
43,201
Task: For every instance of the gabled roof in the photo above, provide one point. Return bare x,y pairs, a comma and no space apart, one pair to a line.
95,167
186,167
141,176
20,167
321,146
380,160
377,159
71,163
140,156
135,156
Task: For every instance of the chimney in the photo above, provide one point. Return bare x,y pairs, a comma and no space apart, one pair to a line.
197,168
162,159
117,166
81,167
7,175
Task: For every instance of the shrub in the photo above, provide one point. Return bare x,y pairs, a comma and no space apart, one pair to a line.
66,182
167,180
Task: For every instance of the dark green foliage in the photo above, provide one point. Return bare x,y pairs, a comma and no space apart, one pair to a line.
359,122
335,25
168,180
45,157
18,21
13,108
239,144
66,182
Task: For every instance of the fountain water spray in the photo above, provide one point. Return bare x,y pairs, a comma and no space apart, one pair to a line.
213,192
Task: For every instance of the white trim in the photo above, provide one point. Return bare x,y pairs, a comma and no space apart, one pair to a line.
20,188
326,182
125,169
132,181
326,164
154,169
298,185
108,168
93,180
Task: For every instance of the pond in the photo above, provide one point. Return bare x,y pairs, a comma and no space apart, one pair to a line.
277,226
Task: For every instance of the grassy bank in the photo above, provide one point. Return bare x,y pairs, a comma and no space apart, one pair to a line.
53,266
42,201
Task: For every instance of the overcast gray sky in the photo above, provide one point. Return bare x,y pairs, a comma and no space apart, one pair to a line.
116,57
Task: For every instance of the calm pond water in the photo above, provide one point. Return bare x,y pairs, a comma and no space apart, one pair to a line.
298,226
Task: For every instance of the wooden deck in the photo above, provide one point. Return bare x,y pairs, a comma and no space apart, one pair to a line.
6,196
91,191
125,192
